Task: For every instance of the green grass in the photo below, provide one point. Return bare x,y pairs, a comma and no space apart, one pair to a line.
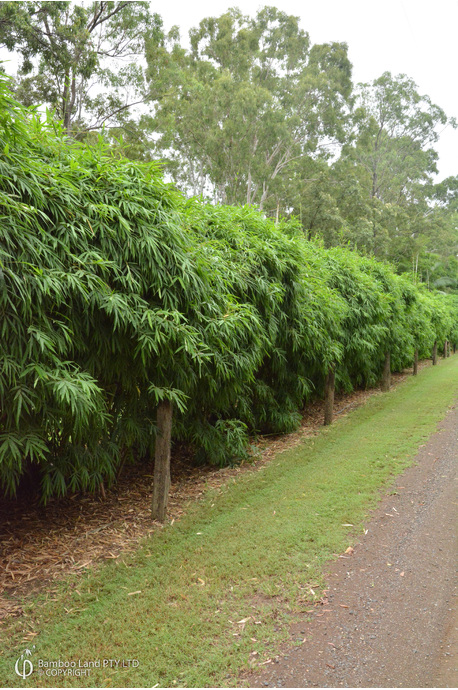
251,551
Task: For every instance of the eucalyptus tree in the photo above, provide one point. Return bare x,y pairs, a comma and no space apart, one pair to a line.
253,95
377,195
440,265
445,193
395,130
81,60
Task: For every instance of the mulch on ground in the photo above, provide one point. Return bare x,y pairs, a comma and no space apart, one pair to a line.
40,545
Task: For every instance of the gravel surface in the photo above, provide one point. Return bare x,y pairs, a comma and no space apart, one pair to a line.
391,614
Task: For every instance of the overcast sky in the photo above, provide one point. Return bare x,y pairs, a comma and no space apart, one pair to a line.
410,37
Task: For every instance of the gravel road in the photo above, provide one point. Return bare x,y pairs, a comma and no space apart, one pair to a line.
391,615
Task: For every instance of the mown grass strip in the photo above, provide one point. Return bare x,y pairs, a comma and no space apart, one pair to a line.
199,598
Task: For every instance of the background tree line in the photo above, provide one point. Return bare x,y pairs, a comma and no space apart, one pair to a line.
251,113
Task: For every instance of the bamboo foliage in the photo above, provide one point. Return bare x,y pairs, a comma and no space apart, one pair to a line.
117,294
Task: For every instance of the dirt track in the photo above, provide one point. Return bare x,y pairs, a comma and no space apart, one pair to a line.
391,614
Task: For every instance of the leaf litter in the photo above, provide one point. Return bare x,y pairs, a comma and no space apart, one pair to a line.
41,545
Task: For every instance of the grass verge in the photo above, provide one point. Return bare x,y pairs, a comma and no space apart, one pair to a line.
210,595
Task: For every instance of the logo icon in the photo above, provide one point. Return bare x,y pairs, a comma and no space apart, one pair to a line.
23,666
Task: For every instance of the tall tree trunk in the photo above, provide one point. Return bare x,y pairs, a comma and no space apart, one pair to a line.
386,377
415,363
162,460
65,97
445,349
69,98
435,353
248,189
265,191
329,388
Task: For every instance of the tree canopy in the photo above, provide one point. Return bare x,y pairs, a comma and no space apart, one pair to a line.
250,97
81,61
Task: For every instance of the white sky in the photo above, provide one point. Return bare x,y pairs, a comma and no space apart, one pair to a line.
411,37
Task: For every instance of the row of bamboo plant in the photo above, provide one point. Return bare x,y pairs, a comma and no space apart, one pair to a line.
117,296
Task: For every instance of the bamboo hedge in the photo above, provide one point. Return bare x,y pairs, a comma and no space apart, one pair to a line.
117,294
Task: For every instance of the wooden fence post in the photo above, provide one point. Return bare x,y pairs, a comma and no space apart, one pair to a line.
329,388
415,362
435,353
161,484
386,377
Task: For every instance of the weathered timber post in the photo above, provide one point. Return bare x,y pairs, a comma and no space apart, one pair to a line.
435,353
386,376
161,484
415,362
329,388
